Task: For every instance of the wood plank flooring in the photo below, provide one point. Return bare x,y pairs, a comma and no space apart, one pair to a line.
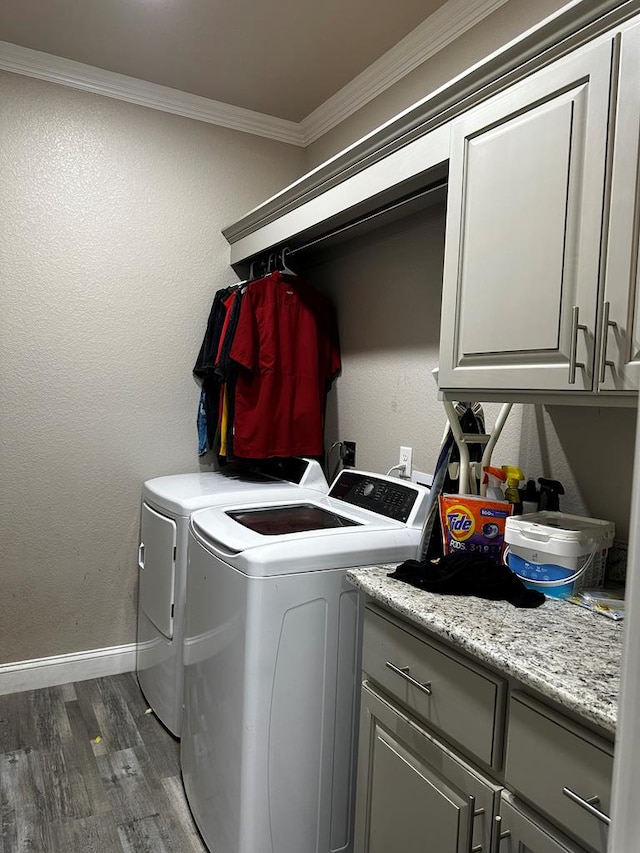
83,769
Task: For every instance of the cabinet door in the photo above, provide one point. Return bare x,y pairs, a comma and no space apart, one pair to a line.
524,231
521,832
413,794
619,362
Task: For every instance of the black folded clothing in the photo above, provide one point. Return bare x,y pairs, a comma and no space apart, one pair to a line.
464,573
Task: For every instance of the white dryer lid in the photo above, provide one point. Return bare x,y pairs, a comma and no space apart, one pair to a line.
182,494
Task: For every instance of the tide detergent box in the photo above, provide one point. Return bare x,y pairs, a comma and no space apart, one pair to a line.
474,524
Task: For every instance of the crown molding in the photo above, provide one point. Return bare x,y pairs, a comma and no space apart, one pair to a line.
433,34
575,24
77,75
441,28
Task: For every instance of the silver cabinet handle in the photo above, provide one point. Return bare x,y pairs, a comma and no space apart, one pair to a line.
473,813
573,354
141,555
606,325
498,835
403,672
588,805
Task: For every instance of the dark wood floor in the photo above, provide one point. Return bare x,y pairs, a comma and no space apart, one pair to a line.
84,768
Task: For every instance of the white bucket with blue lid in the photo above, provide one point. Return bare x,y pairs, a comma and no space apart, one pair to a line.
557,553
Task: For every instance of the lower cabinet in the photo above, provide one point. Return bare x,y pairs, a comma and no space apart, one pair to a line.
562,770
517,831
443,768
414,794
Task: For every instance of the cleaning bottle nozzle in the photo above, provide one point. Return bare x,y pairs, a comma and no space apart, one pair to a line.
493,479
550,491
514,477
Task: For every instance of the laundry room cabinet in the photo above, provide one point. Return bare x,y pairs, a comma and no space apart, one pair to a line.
560,769
619,359
456,758
540,274
518,831
414,792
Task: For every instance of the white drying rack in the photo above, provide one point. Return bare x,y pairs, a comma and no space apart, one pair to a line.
470,472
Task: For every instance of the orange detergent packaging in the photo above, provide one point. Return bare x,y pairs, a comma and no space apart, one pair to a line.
474,524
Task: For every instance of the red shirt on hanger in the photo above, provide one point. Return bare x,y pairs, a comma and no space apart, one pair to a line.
287,343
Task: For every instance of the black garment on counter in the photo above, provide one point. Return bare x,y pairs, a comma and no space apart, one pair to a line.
463,573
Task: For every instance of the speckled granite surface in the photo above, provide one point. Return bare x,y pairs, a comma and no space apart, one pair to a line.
561,651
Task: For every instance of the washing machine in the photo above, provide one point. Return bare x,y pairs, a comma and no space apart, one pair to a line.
272,660
167,504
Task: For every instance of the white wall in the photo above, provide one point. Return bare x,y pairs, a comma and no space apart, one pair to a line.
387,288
110,252
590,450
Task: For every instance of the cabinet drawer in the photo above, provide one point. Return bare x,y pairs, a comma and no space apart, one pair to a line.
547,753
521,830
462,702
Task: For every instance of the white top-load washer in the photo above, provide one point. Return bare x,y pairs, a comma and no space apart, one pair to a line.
167,504
272,660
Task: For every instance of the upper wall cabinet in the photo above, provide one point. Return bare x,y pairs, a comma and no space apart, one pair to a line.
527,218
619,360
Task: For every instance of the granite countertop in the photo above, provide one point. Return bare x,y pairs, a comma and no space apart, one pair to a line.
559,650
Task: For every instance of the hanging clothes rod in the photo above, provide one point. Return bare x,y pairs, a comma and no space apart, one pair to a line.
369,216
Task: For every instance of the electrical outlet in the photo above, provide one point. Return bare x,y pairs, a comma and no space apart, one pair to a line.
349,454
406,459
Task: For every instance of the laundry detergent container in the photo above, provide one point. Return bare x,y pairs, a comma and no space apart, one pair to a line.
558,553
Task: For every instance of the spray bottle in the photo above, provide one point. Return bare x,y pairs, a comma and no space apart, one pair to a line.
529,497
493,479
514,477
550,491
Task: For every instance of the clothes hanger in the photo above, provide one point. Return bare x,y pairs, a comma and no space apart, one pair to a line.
258,269
283,262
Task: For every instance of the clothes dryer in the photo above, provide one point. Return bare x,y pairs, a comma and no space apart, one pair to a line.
167,504
272,660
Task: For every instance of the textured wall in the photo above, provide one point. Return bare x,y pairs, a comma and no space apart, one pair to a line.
110,251
387,287
591,451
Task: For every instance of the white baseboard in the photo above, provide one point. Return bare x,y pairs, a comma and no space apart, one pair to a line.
61,669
